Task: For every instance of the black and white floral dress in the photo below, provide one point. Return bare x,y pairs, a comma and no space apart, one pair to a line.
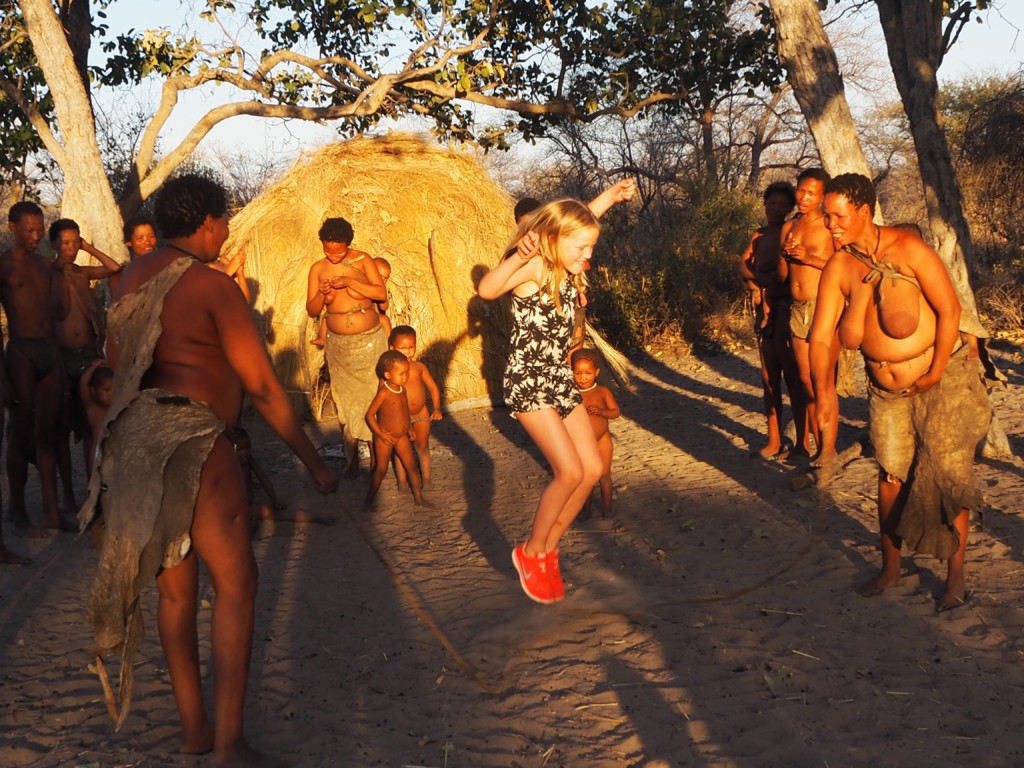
537,374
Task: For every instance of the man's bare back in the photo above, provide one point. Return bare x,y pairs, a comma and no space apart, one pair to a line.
189,357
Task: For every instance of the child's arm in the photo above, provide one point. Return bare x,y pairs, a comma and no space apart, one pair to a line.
84,391
434,392
265,484
611,406
371,419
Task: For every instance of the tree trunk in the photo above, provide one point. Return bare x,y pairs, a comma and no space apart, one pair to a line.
813,74
913,36
88,198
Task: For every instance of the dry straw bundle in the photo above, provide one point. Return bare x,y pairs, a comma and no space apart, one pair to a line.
433,213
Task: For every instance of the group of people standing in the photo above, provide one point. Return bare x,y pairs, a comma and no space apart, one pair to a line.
184,351
54,381
832,278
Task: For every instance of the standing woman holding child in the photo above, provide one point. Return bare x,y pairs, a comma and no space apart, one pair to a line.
544,274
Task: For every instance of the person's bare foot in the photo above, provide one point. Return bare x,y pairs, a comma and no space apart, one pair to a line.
247,757
823,459
28,530
422,502
878,585
772,452
954,596
9,558
197,744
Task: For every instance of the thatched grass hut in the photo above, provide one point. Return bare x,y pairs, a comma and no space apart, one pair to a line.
433,213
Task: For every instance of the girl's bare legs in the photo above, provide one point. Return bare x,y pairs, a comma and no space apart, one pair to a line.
571,450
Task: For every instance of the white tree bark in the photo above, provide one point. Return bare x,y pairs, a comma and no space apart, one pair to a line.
88,197
913,37
813,73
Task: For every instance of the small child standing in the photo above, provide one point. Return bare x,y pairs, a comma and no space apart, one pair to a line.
419,385
601,407
96,387
388,418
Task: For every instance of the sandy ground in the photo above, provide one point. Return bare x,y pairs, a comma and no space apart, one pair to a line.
714,624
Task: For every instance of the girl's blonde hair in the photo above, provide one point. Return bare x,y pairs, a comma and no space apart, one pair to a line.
551,222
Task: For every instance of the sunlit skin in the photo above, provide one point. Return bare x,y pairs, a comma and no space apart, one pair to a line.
576,250
807,246
419,387
566,442
389,420
346,283
906,366
763,270
601,407
210,351
584,373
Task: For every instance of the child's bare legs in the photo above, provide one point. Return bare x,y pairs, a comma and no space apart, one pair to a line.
571,450
422,442
321,339
381,453
406,457
264,511
605,449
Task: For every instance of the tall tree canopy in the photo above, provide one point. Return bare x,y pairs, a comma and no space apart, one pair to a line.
320,60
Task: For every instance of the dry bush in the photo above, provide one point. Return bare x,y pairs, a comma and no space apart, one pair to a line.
1002,309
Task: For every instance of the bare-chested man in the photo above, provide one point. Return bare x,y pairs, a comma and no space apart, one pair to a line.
763,269
79,331
806,248
347,282
928,408
185,349
34,377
